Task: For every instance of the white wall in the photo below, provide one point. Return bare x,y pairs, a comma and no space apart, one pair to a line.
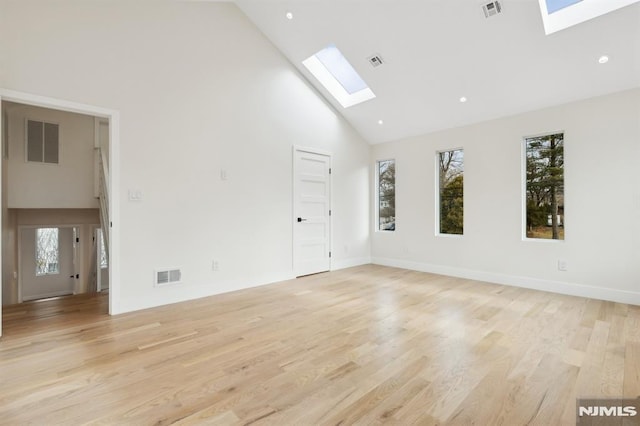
68,184
602,202
199,89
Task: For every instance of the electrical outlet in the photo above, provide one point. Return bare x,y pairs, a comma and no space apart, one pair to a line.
215,265
562,265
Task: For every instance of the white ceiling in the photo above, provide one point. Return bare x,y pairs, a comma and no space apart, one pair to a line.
439,50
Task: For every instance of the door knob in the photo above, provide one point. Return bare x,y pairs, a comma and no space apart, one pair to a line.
301,219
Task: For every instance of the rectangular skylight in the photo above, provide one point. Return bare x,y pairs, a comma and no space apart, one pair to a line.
555,5
337,75
560,14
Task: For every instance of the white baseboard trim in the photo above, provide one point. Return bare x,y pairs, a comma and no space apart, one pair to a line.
47,295
561,287
349,263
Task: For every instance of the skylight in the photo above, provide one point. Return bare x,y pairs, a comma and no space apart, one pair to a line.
560,14
337,75
556,5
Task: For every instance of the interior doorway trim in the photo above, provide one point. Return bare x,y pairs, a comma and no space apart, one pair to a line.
114,177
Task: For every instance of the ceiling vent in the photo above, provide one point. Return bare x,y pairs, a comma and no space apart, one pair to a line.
492,8
375,60
167,276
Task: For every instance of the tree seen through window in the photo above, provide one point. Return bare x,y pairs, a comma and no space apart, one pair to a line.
451,191
545,186
47,253
387,195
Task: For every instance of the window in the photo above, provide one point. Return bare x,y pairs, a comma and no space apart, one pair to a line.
104,263
337,75
544,168
42,142
451,192
560,14
387,195
556,5
47,252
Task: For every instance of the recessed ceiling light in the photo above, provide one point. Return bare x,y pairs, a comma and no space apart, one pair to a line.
289,15
603,59
380,122
463,99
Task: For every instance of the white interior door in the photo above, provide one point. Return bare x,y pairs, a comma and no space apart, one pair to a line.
311,212
46,262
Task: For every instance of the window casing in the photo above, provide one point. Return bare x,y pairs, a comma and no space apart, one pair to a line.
544,187
386,195
450,191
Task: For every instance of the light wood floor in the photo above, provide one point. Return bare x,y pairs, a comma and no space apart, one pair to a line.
365,345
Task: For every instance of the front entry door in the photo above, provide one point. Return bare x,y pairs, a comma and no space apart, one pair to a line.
311,212
46,258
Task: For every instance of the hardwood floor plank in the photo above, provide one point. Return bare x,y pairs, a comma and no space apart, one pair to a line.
372,399
368,345
631,380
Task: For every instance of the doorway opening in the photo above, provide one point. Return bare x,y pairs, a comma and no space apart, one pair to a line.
48,259
59,199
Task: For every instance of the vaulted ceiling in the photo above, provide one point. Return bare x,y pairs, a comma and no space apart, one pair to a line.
437,51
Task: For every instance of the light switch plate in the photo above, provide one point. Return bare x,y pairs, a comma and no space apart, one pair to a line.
135,195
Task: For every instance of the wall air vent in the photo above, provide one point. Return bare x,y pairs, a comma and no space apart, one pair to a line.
167,276
375,60
492,8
